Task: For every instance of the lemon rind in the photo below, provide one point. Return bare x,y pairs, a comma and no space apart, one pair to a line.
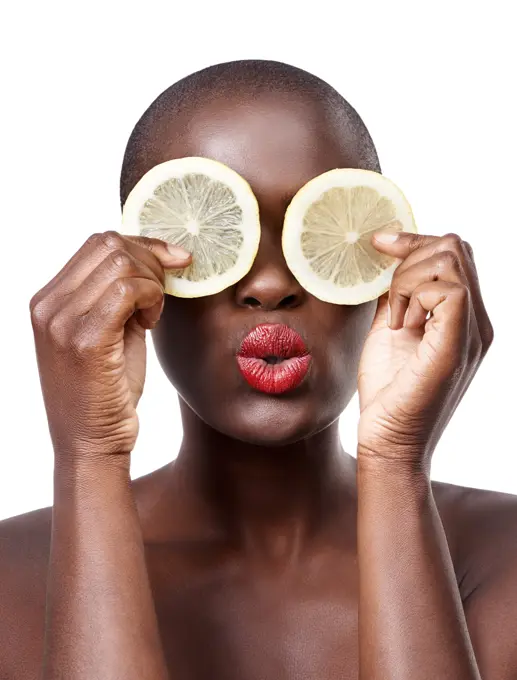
293,227
245,198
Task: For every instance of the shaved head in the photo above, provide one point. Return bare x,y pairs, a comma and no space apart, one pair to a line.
244,85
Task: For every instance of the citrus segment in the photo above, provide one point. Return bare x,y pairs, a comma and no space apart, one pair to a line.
204,207
327,234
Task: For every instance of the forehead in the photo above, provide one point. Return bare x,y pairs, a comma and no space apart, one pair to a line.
276,142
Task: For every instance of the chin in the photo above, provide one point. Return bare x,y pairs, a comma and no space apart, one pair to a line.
272,421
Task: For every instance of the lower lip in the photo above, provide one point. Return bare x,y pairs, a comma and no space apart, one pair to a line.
274,378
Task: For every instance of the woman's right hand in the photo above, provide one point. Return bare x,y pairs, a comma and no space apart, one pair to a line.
89,326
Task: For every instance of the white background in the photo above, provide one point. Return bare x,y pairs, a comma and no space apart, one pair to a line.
435,87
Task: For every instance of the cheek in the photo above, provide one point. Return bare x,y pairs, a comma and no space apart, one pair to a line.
342,330
193,347
341,341
177,340
358,323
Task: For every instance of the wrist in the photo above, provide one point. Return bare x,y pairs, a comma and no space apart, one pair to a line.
74,473
79,457
397,471
395,459
392,492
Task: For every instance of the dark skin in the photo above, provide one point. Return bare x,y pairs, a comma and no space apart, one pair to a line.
264,550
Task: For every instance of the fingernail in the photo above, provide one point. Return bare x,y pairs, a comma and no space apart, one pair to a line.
386,237
178,251
389,315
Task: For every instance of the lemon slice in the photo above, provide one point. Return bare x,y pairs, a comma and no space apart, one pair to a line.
206,208
327,230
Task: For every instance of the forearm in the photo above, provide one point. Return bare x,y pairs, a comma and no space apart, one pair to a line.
411,620
101,621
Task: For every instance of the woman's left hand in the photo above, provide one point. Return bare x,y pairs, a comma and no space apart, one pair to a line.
414,370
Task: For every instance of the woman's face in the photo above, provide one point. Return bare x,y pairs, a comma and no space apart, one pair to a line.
277,144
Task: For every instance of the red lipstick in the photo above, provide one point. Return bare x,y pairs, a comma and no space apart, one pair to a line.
273,359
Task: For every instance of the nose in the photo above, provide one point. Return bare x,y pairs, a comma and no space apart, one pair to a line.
270,284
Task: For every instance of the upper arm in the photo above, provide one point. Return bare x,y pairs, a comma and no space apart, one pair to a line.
24,544
491,605
491,613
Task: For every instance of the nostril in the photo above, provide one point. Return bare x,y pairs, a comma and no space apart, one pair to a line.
289,301
286,303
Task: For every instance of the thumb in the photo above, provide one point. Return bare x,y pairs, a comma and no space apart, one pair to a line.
400,244
170,256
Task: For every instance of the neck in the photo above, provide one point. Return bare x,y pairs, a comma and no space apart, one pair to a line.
268,500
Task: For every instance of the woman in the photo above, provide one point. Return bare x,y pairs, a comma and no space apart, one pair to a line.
263,550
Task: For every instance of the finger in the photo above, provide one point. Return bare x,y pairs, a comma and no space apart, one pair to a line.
149,317
444,266
400,244
171,256
483,320
381,318
121,299
448,329
430,246
419,247
469,250
153,252
120,264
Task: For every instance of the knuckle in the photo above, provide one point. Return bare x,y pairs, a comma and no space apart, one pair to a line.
462,292
397,281
57,330
448,259
83,344
453,241
123,288
158,294
394,285
112,240
93,239
38,310
399,294
397,273
415,242
146,242
121,259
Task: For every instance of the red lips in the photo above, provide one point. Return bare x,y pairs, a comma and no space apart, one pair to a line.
273,359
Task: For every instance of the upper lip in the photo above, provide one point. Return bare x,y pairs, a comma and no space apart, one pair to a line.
273,340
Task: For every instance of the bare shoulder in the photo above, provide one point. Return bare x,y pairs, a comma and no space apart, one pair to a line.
481,528
24,551
24,544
